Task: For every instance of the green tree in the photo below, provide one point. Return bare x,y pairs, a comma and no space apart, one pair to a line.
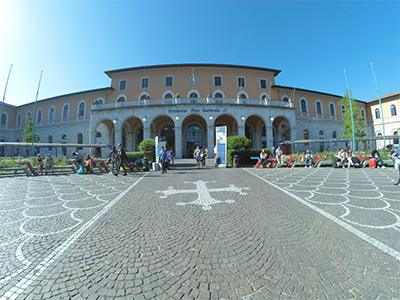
359,122
147,147
27,137
238,143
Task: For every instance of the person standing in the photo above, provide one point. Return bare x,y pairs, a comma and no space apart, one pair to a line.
122,157
197,156
396,156
112,159
79,160
162,157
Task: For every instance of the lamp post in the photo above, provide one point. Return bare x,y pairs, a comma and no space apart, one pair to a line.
380,105
4,98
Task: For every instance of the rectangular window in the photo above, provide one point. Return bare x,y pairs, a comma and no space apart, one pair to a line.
145,83
241,81
169,81
122,85
263,83
217,80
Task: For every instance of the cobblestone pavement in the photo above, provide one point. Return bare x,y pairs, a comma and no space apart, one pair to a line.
202,234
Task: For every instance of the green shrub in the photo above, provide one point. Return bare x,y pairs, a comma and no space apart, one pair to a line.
133,156
238,143
148,148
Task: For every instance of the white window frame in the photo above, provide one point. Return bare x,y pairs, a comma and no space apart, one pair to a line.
62,111
148,82
6,121
54,115
19,119
244,81
126,84
37,116
168,92
84,108
362,113
165,81
306,102
141,94
284,97
390,110
101,99
265,94
266,83
334,109
380,114
219,91
322,107
222,80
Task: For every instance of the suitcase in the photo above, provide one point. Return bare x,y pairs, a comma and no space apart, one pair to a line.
372,163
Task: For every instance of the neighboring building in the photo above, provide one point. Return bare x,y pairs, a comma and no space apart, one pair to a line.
184,103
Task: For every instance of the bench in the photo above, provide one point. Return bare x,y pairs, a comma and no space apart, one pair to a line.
133,165
103,164
258,162
29,165
73,169
25,170
292,161
318,162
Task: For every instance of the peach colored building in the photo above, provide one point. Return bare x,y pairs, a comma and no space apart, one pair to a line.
184,103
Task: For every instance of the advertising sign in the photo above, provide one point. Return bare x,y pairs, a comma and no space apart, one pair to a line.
221,143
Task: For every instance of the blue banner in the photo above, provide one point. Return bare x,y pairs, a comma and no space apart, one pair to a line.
221,135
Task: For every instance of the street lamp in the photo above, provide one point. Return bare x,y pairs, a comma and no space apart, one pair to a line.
243,118
177,117
144,119
211,117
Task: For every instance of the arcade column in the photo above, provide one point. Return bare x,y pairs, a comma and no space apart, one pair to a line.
178,142
210,141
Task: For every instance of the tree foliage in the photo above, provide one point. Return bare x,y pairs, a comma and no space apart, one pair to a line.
359,122
147,147
238,143
27,137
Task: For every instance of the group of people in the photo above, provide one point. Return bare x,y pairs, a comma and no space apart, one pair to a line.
40,163
200,155
117,159
166,159
275,153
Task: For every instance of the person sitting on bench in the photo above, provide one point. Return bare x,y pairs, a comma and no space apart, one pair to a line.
309,158
263,157
49,163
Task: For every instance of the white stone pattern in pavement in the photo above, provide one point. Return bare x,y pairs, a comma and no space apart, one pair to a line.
62,207
204,197
361,198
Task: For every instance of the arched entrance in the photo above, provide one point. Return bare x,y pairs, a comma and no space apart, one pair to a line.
194,137
168,131
281,128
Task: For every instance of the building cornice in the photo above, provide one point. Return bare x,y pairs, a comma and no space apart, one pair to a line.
190,66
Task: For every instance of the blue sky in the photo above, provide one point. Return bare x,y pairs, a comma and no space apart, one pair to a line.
312,42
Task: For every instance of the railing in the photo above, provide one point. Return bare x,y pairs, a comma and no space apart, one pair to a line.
217,101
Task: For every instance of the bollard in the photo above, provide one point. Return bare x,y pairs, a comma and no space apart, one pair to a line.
146,164
236,161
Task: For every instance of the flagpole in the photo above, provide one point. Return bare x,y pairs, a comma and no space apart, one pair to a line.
4,98
351,108
193,86
380,105
34,112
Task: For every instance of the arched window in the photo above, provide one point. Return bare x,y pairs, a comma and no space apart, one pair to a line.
331,109
321,132
362,112
242,96
50,140
318,107
65,111
143,97
343,109
264,97
193,95
303,106
39,116
305,134
218,95
377,113
3,119
393,110
396,140
81,109
52,113
98,134
19,120
80,140
168,96
100,101
285,99
334,134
